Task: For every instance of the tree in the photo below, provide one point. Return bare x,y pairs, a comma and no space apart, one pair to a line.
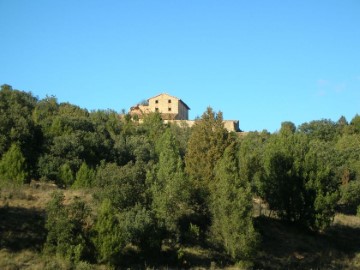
231,208
68,233
124,186
84,177
324,129
13,167
17,126
251,158
170,187
284,186
108,238
288,127
298,182
66,175
206,145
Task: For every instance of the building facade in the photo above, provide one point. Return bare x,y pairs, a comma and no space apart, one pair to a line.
170,108
173,110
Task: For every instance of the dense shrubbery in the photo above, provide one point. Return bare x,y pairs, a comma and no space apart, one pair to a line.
158,184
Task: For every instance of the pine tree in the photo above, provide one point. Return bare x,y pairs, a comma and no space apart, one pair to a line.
170,188
84,177
206,145
66,174
12,167
231,208
108,239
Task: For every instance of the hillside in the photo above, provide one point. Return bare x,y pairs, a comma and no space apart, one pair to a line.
284,246
82,190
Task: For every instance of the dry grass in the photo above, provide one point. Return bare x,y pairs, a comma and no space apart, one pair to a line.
347,220
37,196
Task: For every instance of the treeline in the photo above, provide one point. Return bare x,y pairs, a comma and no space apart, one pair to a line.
158,184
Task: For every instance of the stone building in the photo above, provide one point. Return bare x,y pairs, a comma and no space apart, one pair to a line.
170,108
173,110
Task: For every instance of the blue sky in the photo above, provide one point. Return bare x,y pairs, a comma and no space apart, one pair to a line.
260,62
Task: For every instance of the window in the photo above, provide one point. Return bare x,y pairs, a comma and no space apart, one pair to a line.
156,101
169,101
156,109
169,109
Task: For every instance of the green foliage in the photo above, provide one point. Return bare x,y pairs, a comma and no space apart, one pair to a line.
169,185
157,182
66,175
13,167
115,229
231,209
108,239
355,124
206,145
325,130
124,186
140,229
84,177
17,126
298,182
68,234
251,158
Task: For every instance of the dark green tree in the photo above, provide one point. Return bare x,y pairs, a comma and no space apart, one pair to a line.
124,186
170,187
206,146
232,224
17,126
298,183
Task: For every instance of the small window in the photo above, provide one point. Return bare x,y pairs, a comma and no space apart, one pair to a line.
169,100
156,101
169,109
156,109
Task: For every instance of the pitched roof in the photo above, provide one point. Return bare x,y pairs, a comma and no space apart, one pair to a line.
172,97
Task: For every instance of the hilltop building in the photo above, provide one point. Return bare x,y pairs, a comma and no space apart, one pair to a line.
172,110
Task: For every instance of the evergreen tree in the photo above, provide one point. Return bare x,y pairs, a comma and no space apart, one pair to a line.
206,145
170,187
108,238
84,177
66,175
231,208
298,182
13,167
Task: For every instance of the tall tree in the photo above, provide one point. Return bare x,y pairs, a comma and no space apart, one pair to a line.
206,145
170,186
231,208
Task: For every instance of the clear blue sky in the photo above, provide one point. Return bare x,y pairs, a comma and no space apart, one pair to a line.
261,62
